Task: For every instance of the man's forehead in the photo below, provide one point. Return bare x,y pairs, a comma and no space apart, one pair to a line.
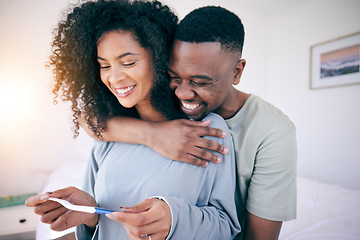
188,64
198,57
186,49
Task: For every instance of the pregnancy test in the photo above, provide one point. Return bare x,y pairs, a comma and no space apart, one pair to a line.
81,208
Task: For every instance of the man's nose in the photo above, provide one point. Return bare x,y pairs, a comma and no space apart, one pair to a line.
184,92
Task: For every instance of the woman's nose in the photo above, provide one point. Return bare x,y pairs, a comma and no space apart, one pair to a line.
117,75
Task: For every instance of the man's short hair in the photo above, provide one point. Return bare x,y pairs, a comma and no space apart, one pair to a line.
212,24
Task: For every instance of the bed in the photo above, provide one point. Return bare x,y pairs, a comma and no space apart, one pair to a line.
324,211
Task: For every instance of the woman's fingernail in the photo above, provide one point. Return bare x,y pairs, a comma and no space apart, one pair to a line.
111,216
44,197
124,209
68,212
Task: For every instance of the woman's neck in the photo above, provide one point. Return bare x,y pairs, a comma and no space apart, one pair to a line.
149,113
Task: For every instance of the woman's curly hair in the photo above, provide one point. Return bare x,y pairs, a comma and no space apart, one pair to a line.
74,57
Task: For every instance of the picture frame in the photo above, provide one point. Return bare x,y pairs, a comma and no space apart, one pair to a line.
335,62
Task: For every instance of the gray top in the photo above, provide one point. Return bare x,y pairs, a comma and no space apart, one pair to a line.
201,199
266,156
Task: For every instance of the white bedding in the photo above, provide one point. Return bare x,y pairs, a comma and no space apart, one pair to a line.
324,211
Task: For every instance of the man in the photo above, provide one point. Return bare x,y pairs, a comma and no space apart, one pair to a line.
204,66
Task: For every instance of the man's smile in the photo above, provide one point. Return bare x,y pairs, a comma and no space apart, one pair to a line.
193,109
190,105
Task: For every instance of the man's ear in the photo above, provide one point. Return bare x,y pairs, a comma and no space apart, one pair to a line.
239,68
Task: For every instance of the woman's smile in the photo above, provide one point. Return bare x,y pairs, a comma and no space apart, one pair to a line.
124,91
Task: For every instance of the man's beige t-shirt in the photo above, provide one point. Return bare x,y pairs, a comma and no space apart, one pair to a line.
266,157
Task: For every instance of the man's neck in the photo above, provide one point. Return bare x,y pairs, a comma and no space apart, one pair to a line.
233,104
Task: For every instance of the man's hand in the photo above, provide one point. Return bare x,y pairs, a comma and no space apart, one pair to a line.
150,217
259,228
182,140
58,216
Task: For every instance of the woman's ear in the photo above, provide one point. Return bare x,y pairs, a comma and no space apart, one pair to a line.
239,68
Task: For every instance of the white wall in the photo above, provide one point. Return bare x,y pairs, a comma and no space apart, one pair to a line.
35,135
327,120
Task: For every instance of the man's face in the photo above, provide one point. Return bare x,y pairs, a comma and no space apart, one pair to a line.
202,75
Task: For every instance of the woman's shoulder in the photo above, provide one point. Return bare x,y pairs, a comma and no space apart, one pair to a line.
216,121
101,148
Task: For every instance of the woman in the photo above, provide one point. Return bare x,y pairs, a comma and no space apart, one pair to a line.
111,52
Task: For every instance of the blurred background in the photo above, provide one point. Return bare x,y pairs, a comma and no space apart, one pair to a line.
36,136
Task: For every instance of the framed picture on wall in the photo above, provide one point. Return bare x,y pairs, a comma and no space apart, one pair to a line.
336,62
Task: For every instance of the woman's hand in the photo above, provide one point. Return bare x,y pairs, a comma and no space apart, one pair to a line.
150,217
182,140
59,217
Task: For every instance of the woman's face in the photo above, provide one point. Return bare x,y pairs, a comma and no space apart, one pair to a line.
125,67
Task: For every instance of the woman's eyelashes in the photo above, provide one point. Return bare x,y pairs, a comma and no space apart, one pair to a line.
125,64
128,64
104,67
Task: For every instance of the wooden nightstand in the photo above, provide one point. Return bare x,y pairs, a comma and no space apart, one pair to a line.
18,221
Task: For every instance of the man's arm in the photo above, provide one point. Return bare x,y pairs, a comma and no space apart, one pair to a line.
260,228
272,189
180,140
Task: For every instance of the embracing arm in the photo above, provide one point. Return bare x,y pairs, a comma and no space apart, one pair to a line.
180,140
260,228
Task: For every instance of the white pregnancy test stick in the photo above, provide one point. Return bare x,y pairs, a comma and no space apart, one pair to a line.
81,208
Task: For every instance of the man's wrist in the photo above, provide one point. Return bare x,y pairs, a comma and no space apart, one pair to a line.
148,137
